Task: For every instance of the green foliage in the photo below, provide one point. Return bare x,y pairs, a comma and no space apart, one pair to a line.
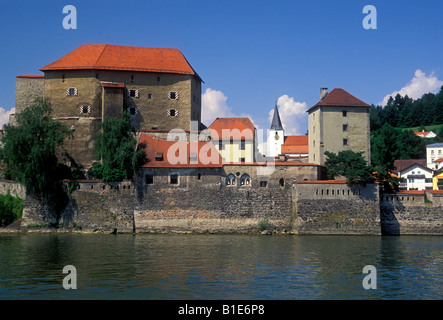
404,112
349,164
10,209
116,149
389,144
30,146
263,224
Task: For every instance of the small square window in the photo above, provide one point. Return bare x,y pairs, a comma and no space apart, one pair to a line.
243,160
345,113
149,95
345,142
263,184
71,92
133,111
134,93
149,179
173,95
345,127
174,178
242,144
85,109
172,113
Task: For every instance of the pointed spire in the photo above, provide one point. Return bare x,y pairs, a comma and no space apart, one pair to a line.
276,122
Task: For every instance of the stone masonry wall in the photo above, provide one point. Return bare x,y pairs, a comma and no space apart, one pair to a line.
335,208
412,212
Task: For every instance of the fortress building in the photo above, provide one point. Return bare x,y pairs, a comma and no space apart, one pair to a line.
156,86
339,121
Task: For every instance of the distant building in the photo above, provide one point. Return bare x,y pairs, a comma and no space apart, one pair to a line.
416,177
276,135
434,152
339,121
423,134
234,138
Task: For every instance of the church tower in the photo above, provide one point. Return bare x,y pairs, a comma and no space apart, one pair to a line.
276,135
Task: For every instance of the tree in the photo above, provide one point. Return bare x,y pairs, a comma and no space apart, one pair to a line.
29,150
116,150
349,164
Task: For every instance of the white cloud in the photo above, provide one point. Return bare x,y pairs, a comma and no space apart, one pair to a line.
4,116
214,106
292,115
419,85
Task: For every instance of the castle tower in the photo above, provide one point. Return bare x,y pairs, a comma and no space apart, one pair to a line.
339,121
276,135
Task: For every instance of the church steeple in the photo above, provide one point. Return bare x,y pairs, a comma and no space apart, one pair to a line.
276,121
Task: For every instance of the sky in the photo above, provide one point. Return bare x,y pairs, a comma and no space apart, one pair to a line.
251,55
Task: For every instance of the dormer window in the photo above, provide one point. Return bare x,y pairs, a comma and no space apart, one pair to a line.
159,156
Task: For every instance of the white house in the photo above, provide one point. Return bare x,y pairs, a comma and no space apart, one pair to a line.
416,177
425,134
434,152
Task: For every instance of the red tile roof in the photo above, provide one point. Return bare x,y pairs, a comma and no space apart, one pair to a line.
340,98
421,133
295,145
31,76
439,160
114,57
172,157
235,128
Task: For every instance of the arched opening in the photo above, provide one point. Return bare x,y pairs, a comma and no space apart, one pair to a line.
230,180
245,180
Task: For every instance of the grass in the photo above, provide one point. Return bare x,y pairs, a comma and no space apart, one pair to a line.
434,128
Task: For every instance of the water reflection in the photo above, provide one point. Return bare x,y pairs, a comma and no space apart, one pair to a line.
145,266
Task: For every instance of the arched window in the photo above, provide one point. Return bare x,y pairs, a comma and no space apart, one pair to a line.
230,180
245,180
281,182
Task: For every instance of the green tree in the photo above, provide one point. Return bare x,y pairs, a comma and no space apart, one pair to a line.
116,150
349,164
29,150
10,209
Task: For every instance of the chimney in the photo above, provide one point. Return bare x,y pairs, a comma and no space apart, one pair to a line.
323,93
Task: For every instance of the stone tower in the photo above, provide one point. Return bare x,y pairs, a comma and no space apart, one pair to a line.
339,121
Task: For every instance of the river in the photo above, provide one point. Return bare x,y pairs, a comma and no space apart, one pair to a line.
201,267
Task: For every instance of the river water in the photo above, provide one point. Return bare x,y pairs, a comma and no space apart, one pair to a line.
201,267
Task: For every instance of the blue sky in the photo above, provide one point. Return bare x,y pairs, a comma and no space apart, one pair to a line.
250,54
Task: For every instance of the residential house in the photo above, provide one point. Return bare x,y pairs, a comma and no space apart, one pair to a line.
234,138
434,152
416,177
425,134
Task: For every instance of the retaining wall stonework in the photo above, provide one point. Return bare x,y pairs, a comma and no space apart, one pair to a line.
205,204
333,207
412,212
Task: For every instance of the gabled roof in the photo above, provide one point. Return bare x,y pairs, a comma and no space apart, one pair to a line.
434,145
340,98
235,128
416,165
295,145
402,164
126,58
167,154
276,121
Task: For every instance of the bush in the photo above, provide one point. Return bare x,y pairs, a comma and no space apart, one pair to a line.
10,209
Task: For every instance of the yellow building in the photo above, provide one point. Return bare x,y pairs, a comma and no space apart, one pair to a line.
234,138
437,182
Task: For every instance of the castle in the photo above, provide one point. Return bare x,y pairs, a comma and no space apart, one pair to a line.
200,178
